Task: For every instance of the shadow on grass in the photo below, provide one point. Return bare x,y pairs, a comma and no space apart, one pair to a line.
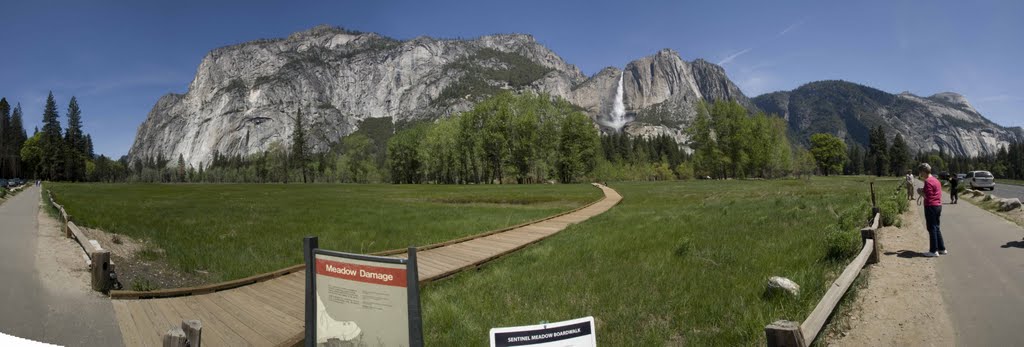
1013,244
906,254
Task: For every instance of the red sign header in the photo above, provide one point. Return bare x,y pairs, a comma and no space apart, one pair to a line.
362,273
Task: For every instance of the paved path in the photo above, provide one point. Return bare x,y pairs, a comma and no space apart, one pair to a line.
1004,190
30,307
982,278
270,313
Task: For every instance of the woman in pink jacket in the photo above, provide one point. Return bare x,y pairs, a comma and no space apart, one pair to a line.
932,193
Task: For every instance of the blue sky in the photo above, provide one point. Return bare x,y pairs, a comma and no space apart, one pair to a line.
118,58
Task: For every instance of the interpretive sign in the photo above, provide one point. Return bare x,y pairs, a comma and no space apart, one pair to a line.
361,300
570,333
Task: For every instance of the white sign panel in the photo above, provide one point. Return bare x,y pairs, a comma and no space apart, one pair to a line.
570,333
361,303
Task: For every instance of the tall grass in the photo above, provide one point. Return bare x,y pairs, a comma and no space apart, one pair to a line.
237,230
674,263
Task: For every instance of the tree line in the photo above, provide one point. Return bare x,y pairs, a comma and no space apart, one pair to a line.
12,138
55,153
508,138
885,158
729,143
1007,162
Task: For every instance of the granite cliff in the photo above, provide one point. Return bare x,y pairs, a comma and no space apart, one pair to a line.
944,121
244,97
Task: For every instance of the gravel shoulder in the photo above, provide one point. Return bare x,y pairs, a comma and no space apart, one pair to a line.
75,315
902,304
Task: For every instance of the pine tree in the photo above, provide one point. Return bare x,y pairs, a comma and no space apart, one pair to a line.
299,151
6,152
181,168
74,144
89,151
899,155
878,151
18,132
51,143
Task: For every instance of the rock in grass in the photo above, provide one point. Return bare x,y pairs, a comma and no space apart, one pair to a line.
776,283
1009,204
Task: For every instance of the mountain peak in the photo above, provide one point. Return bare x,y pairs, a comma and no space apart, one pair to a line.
952,98
321,30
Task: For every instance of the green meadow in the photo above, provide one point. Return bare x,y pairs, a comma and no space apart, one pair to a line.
675,263
238,230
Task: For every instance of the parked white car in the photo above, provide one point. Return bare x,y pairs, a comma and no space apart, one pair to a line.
981,180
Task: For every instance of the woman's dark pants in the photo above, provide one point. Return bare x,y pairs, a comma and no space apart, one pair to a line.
931,218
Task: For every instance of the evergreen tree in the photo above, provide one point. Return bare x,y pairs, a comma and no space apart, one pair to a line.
181,168
899,155
74,144
51,143
878,152
7,154
18,141
299,155
89,151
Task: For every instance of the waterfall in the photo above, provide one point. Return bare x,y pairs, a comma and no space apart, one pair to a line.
617,118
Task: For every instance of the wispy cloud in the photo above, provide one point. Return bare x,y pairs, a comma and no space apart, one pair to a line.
737,54
790,28
734,56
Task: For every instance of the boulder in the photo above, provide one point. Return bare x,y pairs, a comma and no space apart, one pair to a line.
1009,204
976,193
776,283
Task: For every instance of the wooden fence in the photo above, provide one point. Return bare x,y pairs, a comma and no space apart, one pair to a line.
102,275
101,267
785,333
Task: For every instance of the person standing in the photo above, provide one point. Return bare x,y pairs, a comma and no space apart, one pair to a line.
910,185
954,186
932,193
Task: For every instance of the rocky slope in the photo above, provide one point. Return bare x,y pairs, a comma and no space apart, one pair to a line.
944,121
244,97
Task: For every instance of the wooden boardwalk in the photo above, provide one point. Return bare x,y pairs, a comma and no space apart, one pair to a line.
270,313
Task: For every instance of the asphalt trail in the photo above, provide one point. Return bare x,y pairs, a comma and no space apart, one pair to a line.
982,277
40,306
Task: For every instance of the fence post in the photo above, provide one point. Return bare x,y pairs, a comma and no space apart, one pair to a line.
869,234
784,333
175,338
193,332
100,270
874,203
67,228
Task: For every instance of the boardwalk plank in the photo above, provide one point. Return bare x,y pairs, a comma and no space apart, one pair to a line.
269,312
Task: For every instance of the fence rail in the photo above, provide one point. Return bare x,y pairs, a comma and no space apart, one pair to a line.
101,267
785,333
